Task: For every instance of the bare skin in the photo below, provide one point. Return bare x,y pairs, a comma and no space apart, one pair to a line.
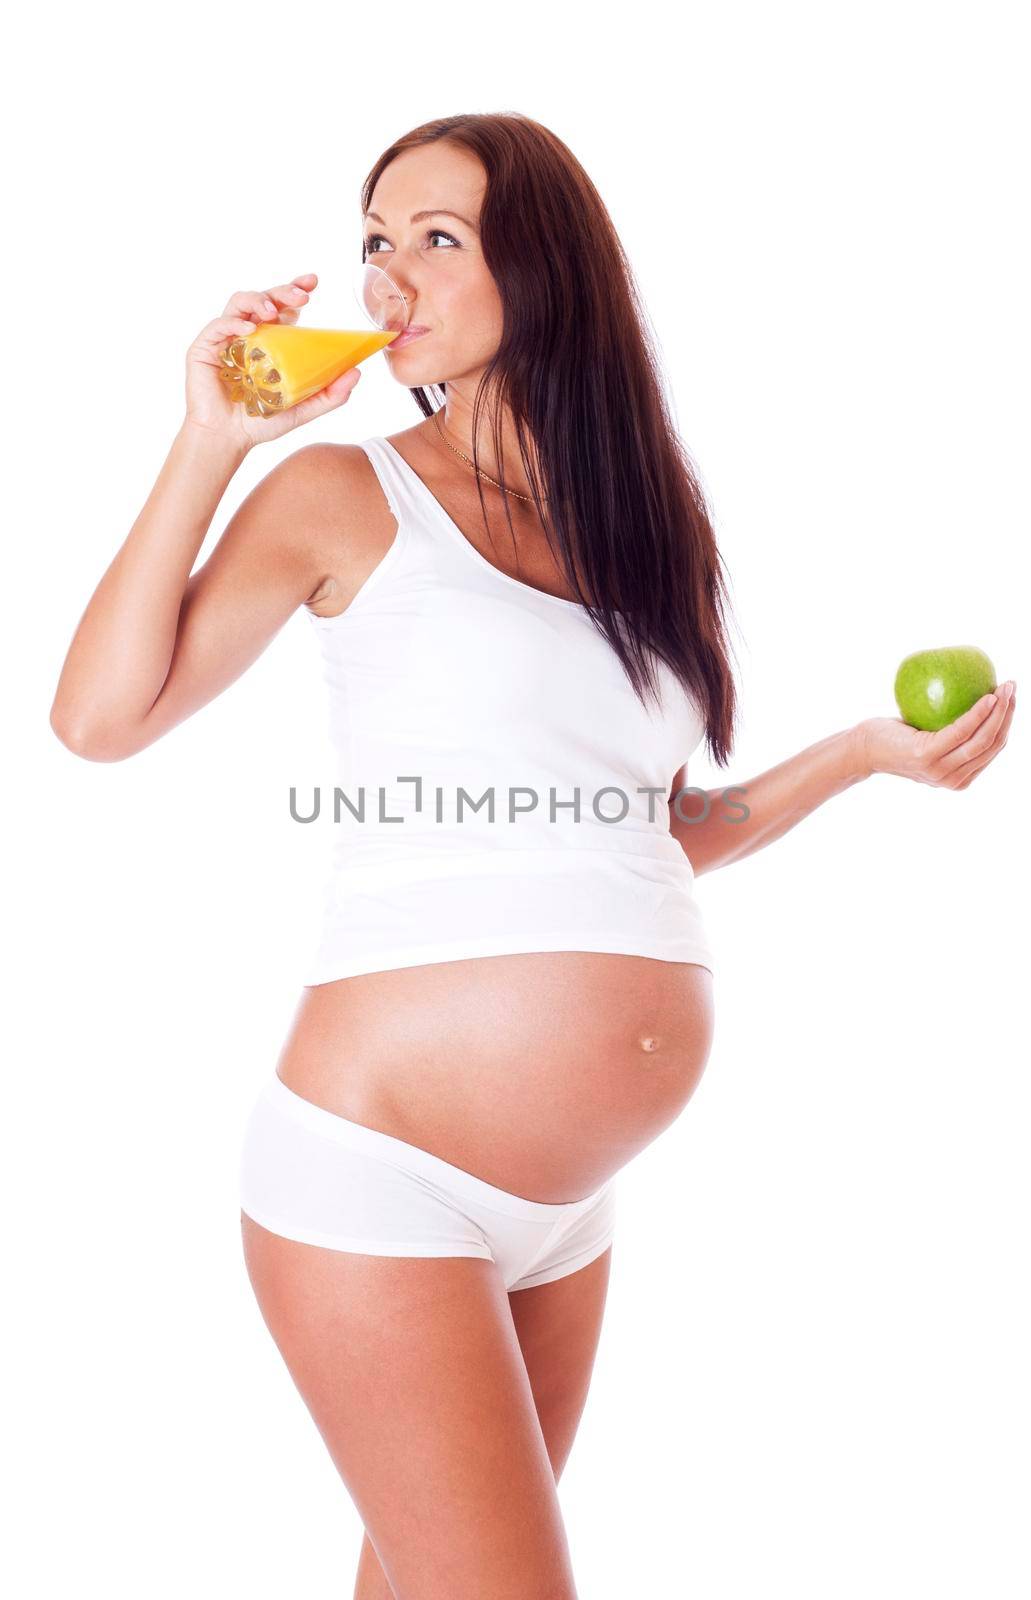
448,1408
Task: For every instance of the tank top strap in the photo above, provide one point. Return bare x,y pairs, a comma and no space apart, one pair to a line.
401,494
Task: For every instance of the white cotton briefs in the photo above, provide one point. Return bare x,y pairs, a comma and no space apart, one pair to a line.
451,685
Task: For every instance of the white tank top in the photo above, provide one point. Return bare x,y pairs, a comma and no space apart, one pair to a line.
470,714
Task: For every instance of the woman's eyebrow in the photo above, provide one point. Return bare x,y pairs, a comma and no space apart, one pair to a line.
418,216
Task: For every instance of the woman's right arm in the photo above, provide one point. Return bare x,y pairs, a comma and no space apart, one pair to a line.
155,644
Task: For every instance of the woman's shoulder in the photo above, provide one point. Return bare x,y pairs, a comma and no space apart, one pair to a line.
350,521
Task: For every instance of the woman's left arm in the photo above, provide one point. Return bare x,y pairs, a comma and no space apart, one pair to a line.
951,758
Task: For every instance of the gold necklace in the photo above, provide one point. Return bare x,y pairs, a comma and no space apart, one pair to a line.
440,429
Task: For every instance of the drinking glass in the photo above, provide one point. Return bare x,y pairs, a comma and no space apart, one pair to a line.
379,299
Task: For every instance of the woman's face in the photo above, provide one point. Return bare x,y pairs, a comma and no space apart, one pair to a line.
436,262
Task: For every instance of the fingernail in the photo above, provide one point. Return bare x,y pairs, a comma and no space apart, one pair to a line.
269,306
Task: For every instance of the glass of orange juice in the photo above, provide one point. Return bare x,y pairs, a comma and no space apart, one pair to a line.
280,363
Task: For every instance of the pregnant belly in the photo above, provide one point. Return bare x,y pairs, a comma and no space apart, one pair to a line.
542,1073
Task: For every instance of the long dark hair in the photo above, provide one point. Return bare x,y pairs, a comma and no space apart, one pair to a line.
579,373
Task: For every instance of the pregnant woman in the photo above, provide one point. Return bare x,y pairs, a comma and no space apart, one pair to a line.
519,614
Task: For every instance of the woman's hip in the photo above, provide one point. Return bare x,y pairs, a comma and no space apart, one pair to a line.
311,1175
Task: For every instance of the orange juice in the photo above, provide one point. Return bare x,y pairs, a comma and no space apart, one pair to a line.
280,364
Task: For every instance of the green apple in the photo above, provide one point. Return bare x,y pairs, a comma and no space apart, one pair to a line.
934,687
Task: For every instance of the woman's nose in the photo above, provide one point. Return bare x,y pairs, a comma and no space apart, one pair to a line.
387,300
404,289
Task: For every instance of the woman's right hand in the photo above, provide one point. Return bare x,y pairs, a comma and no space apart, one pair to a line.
207,400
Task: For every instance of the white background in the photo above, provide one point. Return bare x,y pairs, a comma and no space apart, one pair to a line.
813,1370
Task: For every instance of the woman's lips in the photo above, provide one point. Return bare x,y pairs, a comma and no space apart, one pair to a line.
406,337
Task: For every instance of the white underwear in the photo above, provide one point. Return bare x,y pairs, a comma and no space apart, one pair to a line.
316,1177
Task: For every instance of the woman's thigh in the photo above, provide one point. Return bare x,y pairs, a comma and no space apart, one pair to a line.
412,1371
558,1325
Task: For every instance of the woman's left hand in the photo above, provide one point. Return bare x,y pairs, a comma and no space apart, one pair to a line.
950,758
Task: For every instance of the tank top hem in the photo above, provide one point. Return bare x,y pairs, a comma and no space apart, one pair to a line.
326,969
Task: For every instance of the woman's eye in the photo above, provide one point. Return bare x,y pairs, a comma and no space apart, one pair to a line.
431,233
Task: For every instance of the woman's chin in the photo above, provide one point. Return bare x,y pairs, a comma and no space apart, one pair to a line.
412,373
